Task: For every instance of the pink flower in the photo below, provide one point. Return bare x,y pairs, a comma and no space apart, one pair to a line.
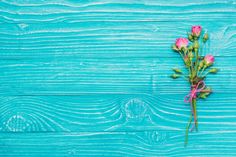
209,60
181,42
196,30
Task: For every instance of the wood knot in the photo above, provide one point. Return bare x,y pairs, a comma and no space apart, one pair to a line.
156,137
16,123
135,109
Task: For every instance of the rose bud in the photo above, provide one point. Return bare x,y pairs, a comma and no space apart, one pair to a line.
209,60
196,31
181,43
205,37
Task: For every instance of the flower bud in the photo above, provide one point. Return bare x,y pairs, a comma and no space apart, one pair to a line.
196,31
213,70
209,60
181,43
175,76
205,37
177,70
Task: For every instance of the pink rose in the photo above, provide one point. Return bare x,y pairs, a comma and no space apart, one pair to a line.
196,30
209,60
181,42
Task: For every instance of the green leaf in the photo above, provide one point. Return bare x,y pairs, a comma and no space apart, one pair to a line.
175,76
177,70
204,95
213,70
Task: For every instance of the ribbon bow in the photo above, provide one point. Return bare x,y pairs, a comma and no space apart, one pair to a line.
193,95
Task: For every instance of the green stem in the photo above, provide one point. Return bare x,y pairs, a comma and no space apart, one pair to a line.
181,55
187,130
202,70
202,47
185,77
194,102
196,63
205,74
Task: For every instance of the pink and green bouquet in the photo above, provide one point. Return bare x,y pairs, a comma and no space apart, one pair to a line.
198,67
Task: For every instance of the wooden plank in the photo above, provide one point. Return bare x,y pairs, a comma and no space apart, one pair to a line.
113,113
141,144
125,76
124,10
107,39
90,78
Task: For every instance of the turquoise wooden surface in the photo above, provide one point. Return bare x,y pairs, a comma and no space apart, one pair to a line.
91,78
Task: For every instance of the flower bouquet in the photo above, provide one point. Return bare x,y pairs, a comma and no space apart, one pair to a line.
198,67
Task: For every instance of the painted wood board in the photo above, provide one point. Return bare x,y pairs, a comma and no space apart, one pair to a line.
110,112
108,39
91,78
140,144
63,76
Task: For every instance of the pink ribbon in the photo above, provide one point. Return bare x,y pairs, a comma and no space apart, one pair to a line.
192,95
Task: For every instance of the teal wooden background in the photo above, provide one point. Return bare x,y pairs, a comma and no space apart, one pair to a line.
91,78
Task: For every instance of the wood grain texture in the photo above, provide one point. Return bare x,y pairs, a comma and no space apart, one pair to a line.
124,76
124,10
140,144
113,113
107,39
91,78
